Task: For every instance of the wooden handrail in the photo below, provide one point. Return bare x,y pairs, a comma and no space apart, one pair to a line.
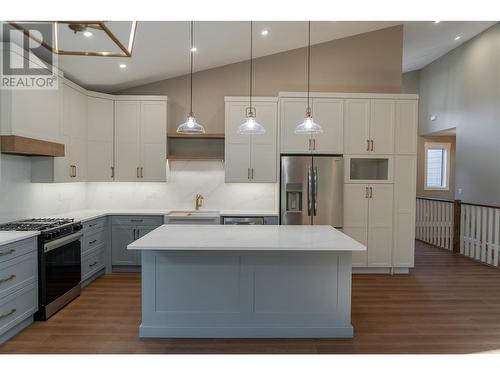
436,199
481,205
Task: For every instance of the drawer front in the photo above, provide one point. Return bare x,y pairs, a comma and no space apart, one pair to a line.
93,262
192,220
17,306
18,248
18,273
137,220
92,225
93,240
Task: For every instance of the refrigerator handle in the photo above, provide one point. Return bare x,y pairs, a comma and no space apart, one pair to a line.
309,190
315,196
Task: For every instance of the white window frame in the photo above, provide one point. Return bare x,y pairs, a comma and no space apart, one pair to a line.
444,146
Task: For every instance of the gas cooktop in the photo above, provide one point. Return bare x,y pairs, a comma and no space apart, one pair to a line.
40,224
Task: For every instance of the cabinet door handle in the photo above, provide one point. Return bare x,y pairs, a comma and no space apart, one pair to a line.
142,170
75,170
92,242
314,144
367,145
252,173
371,192
11,277
7,252
371,144
92,264
137,172
248,173
3,316
366,192
112,172
91,225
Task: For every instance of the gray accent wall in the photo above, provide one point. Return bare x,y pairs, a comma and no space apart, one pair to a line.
462,90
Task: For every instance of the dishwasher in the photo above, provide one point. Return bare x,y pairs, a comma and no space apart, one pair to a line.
254,220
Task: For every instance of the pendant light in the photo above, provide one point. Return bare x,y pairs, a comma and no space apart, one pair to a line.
308,126
251,126
191,126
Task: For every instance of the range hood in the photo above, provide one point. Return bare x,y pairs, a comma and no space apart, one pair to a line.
17,145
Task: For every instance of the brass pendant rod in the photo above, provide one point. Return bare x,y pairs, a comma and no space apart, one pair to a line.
191,73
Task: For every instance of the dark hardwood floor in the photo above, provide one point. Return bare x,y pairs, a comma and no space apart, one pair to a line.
447,304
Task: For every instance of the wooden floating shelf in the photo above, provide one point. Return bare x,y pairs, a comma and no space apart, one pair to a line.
196,136
17,145
194,157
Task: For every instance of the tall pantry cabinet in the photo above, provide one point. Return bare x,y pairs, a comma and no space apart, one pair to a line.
377,136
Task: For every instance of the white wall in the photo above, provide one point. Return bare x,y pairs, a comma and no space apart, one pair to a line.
21,199
462,90
186,179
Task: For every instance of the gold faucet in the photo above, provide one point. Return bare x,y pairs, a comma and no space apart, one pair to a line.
199,201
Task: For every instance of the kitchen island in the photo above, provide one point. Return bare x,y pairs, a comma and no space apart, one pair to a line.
246,281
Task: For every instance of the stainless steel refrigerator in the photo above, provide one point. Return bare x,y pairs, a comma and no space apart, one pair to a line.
311,190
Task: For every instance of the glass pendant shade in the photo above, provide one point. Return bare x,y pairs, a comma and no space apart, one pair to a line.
251,126
190,126
308,126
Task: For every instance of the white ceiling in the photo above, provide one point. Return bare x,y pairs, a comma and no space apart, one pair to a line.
161,49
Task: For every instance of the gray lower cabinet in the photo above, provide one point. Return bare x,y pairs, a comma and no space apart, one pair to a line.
121,237
124,231
18,286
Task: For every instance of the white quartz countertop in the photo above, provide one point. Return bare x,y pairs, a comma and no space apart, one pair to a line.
247,237
7,237
91,214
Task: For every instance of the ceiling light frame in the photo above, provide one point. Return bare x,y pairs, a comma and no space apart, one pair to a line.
125,51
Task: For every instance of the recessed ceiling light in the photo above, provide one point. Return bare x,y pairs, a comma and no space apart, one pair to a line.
457,37
88,34
437,21
264,32
123,66
194,49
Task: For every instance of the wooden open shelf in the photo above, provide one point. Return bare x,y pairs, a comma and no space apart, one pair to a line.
196,136
17,145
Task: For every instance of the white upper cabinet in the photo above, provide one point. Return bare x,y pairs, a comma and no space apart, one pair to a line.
357,126
100,119
327,112
35,113
369,126
406,127
140,139
153,136
127,144
292,113
251,158
382,126
73,133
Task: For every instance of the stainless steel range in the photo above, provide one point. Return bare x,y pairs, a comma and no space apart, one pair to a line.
59,261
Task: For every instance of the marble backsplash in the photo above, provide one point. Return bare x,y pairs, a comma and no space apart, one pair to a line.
20,198
185,179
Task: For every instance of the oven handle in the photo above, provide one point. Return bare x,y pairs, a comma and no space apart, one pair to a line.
61,242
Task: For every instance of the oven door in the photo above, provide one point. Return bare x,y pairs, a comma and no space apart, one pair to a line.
62,267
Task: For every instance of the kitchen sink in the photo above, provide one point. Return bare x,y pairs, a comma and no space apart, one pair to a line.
193,213
193,217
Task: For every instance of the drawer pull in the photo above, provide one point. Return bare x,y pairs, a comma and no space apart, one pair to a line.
92,242
8,314
136,220
91,225
7,279
7,252
93,264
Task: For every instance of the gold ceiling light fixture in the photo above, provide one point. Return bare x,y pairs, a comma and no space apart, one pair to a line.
83,27
308,126
190,126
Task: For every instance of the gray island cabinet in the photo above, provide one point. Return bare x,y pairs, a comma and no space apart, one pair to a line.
246,281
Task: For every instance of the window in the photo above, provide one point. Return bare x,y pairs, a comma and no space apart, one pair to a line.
437,166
